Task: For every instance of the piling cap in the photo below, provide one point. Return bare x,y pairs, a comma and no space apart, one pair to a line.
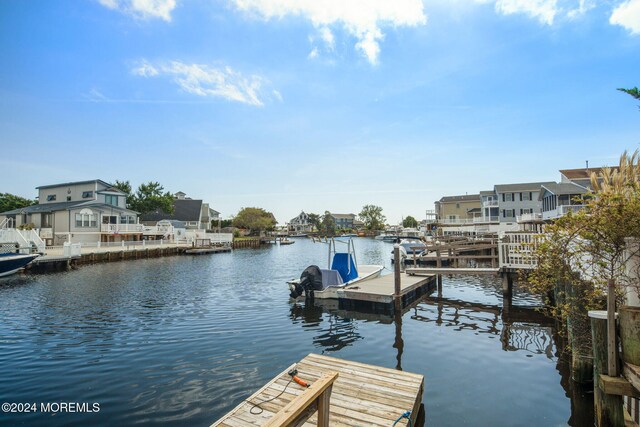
599,314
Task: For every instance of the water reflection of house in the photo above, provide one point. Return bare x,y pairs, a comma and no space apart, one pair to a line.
79,212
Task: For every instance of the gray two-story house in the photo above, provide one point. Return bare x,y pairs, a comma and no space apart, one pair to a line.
79,212
518,199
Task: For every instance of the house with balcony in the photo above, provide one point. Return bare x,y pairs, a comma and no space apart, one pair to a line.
344,221
458,210
559,199
300,224
194,213
79,212
519,201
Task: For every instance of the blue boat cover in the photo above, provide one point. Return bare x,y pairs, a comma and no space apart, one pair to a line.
341,263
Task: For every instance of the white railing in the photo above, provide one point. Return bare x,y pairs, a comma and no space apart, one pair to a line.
121,228
517,250
561,211
216,238
485,219
529,217
489,203
27,240
7,223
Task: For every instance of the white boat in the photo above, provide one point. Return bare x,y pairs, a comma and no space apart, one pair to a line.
409,247
342,270
12,263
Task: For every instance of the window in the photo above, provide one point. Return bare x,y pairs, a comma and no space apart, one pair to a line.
457,205
127,219
525,196
51,197
86,218
508,197
111,200
508,213
87,194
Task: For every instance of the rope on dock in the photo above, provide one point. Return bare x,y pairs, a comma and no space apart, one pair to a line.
257,405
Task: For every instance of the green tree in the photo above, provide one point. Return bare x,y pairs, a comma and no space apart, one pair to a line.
410,222
314,220
580,253
633,92
125,187
327,224
150,198
255,219
9,202
372,217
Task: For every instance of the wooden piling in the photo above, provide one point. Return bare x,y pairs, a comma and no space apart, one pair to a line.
608,408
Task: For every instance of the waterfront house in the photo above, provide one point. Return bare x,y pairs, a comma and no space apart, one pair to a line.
458,209
558,199
301,224
194,213
581,176
343,221
517,200
79,212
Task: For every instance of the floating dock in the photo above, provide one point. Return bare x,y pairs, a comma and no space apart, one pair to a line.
362,395
203,251
377,295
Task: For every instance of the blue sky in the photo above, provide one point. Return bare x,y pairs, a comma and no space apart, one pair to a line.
314,105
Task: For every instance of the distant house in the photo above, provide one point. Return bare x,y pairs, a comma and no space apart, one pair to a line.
301,224
458,209
195,214
79,212
343,221
581,176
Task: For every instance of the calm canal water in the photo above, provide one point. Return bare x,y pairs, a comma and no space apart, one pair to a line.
182,340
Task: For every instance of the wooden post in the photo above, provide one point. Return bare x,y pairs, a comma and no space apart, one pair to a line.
608,408
612,348
438,259
396,270
507,284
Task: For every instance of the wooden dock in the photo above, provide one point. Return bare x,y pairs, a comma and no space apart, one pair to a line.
211,250
381,289
361,395
444,270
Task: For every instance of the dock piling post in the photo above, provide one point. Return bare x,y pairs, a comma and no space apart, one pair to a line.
507,283
607,407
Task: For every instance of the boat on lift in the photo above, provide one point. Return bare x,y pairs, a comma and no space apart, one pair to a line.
342,270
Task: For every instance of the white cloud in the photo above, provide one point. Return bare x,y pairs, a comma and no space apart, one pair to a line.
583,7
363,19
327,37
313,54
543,10
207,81
143,9
627,15
144,69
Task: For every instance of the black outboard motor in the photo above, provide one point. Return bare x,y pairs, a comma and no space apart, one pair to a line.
310,280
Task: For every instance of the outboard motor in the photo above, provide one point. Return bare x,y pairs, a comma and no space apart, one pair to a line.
310,280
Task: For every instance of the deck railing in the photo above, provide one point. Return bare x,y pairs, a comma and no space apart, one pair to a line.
517,250
121,228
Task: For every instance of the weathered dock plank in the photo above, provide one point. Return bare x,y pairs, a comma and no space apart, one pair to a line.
381,289
362,395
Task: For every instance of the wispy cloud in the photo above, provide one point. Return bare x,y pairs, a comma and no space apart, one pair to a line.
362,19
542,10
208,81
143,9
627,15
